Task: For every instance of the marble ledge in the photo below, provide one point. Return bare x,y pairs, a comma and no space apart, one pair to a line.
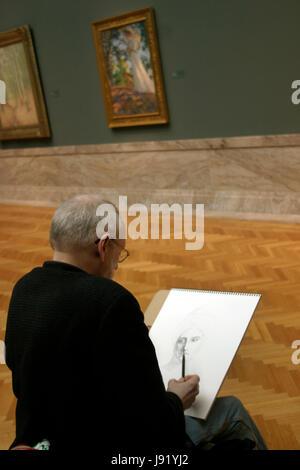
263,141
229,170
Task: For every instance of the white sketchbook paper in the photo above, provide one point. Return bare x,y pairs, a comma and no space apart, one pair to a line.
207,327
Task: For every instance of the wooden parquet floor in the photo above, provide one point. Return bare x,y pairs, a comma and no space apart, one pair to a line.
243,256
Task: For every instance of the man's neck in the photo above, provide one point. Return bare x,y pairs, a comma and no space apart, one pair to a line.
69,259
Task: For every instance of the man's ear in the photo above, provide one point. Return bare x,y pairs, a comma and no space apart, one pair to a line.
102,245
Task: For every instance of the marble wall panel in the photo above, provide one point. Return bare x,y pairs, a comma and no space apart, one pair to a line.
163,170
260,169
256,177
58,171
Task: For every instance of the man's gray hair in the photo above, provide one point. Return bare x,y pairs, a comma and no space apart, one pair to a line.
74,222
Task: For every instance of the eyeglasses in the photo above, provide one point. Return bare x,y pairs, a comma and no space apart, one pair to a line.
124,253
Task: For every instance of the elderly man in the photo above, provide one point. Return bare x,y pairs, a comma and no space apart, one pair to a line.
84,370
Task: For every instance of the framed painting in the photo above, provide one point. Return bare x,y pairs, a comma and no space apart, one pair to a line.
23,112
130,69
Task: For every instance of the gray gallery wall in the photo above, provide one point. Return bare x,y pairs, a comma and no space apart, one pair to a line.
236,59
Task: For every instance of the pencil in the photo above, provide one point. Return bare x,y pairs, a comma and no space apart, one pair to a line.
183,364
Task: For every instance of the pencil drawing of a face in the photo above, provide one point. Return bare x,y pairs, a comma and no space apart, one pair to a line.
188,342
189,337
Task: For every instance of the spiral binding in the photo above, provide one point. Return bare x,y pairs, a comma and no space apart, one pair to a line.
215,292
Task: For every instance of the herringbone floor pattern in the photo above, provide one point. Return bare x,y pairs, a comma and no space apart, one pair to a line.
237,256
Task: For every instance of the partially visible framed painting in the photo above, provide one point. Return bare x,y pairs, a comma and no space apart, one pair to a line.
24,113
130,69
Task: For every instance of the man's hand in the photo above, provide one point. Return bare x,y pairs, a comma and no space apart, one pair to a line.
187,388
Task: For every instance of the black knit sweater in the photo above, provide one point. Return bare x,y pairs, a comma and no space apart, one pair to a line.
84,370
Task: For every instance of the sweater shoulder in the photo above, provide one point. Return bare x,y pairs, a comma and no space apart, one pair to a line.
108,287
77,285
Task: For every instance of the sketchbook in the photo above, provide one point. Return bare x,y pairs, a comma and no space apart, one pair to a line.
199,332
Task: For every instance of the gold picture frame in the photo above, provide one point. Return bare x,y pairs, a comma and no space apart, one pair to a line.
23,115
130,69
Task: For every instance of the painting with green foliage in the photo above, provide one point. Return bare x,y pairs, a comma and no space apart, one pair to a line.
20,109
129,69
